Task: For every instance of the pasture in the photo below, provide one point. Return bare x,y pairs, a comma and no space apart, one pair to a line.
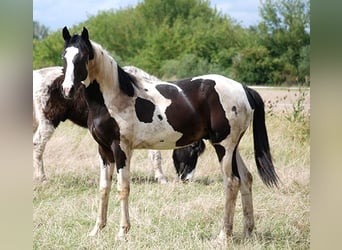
176,215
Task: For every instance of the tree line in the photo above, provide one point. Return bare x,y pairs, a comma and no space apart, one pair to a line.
174,39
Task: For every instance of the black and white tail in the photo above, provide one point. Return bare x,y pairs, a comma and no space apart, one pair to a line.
262,152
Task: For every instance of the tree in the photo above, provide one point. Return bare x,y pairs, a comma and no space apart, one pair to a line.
285,31
40,31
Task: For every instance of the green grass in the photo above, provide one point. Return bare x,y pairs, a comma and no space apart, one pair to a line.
172,216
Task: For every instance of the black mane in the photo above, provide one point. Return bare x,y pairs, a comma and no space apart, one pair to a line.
126,81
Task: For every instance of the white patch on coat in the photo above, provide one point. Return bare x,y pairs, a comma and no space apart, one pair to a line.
190,175
42,79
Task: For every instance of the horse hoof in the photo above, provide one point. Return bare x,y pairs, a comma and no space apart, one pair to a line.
162,181
120,237
94,232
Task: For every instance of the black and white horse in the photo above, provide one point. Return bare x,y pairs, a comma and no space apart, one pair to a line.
50,108
127,112
185,159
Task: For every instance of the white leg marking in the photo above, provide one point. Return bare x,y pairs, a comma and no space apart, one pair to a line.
231,185
155,158
40,138
106,173
123,187
246,195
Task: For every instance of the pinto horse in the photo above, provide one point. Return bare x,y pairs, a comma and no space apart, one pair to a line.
135,113
185,159
50,108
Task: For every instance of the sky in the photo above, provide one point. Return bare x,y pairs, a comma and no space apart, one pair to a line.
55,14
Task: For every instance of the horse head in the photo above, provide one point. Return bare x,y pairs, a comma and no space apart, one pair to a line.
76,55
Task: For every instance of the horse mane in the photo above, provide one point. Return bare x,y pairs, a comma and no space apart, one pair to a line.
126,81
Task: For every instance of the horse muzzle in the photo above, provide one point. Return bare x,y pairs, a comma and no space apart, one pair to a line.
68,92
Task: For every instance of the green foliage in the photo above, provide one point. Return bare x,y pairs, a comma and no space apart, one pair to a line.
187,66
48,51
180,38
40,31
250,65
284,31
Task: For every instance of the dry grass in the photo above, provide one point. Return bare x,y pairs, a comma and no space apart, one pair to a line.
174,215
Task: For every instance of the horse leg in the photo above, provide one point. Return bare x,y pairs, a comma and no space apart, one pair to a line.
122,159
40,138
231,185
246,195
155,158
106,174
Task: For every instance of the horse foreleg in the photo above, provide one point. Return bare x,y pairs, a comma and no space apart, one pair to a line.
40,138
231,186
123,188
246,195
155,158
106,174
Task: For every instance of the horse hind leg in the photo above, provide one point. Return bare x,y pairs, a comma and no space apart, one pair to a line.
246,195
40,138
231,186
155,159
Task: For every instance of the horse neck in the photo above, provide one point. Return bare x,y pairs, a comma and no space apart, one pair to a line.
103,69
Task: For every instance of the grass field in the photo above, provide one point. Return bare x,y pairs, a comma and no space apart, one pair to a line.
174,215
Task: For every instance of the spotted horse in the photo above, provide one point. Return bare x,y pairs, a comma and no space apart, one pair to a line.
50,108
134,113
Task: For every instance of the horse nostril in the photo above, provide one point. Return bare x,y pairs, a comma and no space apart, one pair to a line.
67,92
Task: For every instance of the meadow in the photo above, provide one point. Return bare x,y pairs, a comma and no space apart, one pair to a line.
177,215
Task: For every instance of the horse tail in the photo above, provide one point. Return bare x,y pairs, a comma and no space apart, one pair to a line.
262,152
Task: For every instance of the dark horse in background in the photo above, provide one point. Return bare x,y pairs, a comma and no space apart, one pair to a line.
185,159
128,112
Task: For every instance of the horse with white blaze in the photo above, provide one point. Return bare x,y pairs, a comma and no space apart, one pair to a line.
50,108
134,113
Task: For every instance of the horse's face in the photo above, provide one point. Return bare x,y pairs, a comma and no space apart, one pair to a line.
77,53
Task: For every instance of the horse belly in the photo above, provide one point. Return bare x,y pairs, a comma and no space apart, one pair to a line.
156,136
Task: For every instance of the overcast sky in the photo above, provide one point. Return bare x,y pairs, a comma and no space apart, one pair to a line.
55,14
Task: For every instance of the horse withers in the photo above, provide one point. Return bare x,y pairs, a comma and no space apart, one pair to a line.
161,115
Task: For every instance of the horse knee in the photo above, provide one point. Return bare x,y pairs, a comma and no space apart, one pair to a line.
123,192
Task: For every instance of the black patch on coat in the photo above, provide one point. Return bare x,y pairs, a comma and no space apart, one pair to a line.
196,111
220,151
234,110
103,127
168,91
144,110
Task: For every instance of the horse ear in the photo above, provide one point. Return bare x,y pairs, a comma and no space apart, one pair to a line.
85,34
85,37
66,34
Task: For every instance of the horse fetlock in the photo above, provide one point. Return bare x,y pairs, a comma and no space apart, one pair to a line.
248,229
123,230
226,232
